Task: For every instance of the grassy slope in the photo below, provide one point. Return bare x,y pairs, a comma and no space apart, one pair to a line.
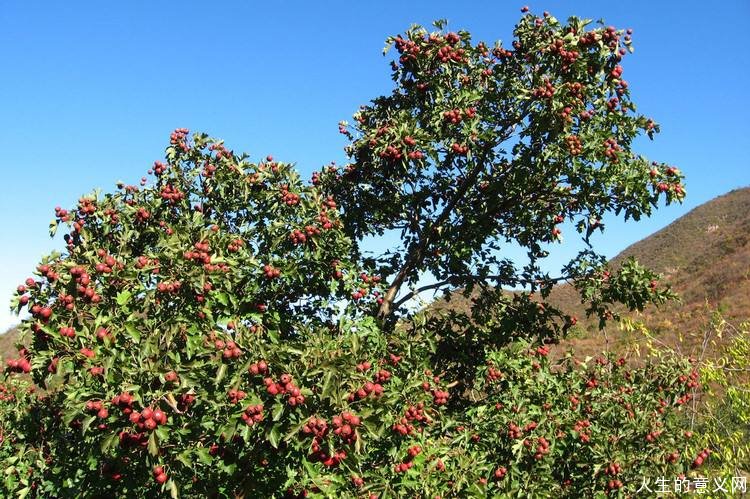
705,257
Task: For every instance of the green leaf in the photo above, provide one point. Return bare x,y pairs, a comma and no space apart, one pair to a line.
278,410
222,298
108,442
204,456
123,297
220,373
153,445
133,332
273,436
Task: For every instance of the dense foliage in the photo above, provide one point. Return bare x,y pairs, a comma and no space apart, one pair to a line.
220,331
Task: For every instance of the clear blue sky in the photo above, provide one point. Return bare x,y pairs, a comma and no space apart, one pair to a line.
91,90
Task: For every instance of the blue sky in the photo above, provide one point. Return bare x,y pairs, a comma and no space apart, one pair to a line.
91,91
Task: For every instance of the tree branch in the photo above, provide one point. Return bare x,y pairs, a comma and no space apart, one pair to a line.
453,280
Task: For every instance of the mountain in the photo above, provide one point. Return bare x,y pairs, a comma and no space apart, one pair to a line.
704,255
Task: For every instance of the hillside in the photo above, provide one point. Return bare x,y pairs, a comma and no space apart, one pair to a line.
704,255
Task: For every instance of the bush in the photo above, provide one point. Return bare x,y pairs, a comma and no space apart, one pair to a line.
221,332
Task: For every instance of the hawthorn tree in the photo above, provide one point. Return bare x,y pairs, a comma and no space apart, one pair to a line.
219,332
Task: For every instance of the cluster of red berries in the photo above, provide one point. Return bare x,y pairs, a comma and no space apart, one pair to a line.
61,214
391,153
256,368
612,104
447,53
158,168
440,397
271,272
316,426
148,418
297,237
107,263
374,390
702,456
67,332
6,395
382,376
208,170
235,245
574,145
86,206
545,91
169,287
221,150
408,461
143,261
690,381
408,49
288,198
345,426
581,427
124,401
201,253
500,473
653,435
230,349
324,220
328,460
456,115
83,280
286,386
142,214
615,484
48,272
96,407
542,351
253,414
40,312
542,447
21,364
459,149
405,426
172,194
611,38
568,56
493,374
178,138
235,395
159,475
